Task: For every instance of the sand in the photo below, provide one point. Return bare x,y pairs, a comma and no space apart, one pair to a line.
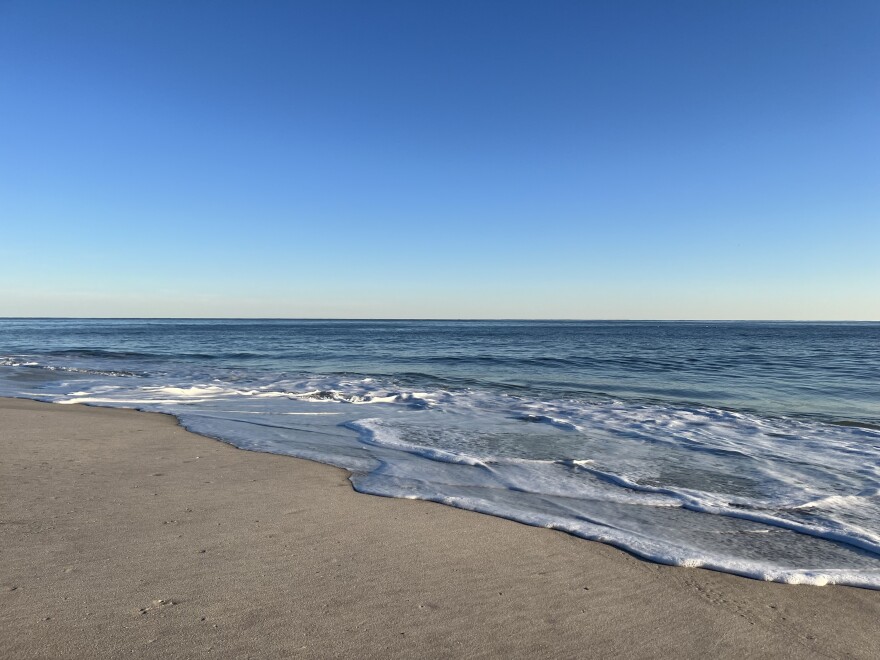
122,535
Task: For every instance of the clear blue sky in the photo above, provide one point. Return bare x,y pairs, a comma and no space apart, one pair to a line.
617,159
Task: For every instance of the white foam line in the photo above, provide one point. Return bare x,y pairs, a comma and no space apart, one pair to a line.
259,412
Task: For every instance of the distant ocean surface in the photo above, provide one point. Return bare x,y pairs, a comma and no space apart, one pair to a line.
750,448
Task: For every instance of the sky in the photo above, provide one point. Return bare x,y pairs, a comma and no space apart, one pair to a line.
611,159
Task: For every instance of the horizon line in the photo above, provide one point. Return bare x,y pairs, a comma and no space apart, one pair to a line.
445,319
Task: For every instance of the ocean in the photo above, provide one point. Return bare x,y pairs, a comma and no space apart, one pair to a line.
746,447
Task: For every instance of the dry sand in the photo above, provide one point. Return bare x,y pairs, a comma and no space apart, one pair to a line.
123,535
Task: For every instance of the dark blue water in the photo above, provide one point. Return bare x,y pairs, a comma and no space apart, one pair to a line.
747,447
824,370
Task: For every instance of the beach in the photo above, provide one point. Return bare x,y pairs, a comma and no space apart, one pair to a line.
125,535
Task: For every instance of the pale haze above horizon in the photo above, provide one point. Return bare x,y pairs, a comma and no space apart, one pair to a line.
569,160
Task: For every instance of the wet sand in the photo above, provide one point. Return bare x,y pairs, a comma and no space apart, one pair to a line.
122,535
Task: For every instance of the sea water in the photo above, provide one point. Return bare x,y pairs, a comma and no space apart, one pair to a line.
750,448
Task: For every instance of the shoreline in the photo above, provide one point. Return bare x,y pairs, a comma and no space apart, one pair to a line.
124,533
